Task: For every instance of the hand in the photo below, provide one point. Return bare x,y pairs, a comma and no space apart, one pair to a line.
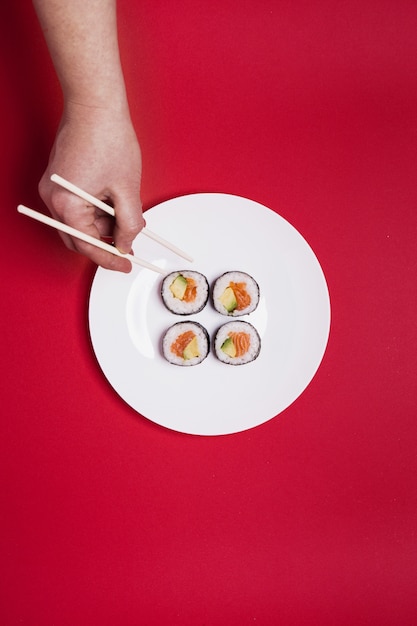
97,150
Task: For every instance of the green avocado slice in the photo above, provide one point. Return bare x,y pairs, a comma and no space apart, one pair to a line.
191,350
178,287
228,299
229,347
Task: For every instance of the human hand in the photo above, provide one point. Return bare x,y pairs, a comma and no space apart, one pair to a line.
97,149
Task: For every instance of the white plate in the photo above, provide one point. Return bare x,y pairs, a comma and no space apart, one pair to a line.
222,232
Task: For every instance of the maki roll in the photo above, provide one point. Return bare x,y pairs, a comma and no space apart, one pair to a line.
185,292
185,343
235,294
237,343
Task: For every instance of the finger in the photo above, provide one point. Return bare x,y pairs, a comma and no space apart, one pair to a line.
129,223
77,214
67,240
105,224
102,258
97,256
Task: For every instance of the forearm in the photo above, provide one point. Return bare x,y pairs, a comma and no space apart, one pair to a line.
96,146
82,39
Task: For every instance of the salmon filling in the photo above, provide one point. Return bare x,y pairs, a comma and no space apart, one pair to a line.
181,342
190,293
241,341
243,299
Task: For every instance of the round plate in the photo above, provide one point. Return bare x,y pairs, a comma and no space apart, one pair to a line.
222,232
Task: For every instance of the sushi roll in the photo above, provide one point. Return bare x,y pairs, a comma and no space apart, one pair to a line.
235,294
186,343
185,292
237,343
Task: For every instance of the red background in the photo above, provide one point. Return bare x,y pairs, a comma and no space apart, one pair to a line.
311,109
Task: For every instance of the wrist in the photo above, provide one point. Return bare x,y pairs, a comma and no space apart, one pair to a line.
92,110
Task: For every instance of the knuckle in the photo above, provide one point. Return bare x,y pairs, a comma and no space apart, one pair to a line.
63,205
133,225
43,189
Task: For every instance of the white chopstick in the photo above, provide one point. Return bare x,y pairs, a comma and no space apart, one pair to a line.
62,182
45,219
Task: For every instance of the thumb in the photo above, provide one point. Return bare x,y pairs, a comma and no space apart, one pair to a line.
129,223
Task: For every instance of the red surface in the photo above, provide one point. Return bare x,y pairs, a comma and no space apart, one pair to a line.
106,518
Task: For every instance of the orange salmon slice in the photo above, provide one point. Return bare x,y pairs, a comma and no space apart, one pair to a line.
182,342
243,299
241,342
190,293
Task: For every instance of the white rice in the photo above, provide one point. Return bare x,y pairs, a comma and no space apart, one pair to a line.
237,327
178,329
224,281
180,307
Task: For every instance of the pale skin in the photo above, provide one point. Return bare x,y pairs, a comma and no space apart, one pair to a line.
96,146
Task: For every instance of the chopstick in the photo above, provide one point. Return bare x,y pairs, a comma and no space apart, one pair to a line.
49,221
66,184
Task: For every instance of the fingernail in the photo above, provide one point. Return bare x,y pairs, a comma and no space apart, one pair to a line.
124,251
